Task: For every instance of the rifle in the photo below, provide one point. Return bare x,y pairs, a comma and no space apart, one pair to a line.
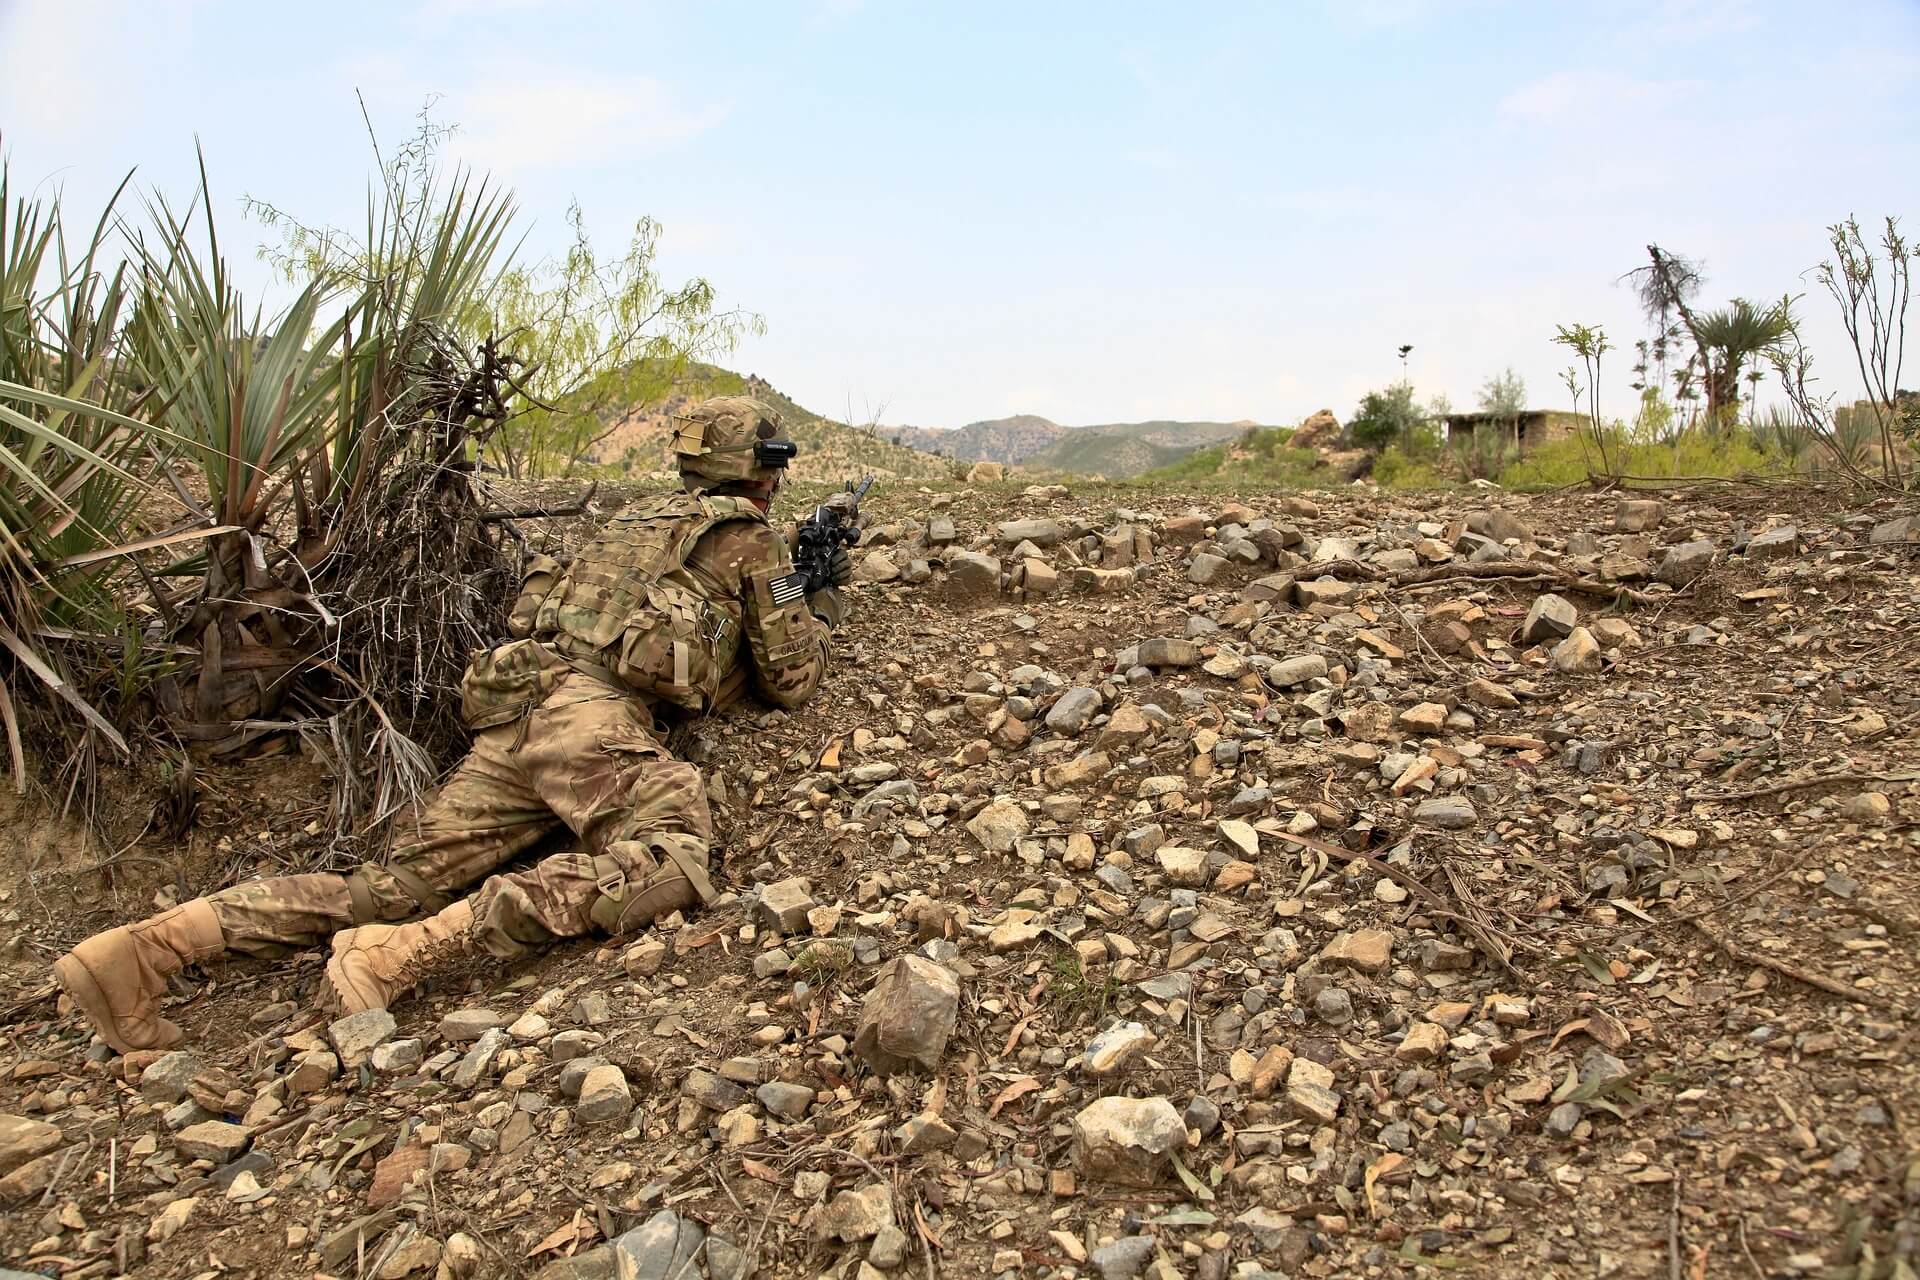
834,524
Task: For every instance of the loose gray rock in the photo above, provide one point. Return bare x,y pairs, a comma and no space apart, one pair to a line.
1041,532
1782,543
664,1247
907,1016
463,1026
998,825
214,1140
1074,710
1166,651
971,574
1207,567
1124,1259
396,1056
356,1036
1551,617
166,1080
1449,813
785,903
22,1140
1685,562
788,1101
478,1064
604,1096
715,1093
1892,532
1127,1140
1288,672
856,1215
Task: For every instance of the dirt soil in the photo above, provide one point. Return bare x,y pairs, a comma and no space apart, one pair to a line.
1416,941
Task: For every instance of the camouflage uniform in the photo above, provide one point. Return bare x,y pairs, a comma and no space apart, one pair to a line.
565,736
682,600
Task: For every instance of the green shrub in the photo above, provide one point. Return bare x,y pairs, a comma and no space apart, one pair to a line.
1695,453
1398,468
1483,454
1261,458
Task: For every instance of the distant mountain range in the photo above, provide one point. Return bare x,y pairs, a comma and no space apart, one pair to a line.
1038,444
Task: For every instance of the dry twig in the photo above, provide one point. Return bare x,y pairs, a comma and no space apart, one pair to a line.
1819,982
1802,784
1482,935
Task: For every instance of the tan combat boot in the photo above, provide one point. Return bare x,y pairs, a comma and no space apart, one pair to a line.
118,977
375,964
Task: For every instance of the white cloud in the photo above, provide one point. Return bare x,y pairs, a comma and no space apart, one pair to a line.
1687,21
1594,95
555,119
69,68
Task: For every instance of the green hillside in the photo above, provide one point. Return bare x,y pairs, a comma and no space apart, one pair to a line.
1121,449
1257,458
830,451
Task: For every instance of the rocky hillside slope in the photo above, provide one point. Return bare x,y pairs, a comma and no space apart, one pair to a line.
1006,440
1233,886
830,451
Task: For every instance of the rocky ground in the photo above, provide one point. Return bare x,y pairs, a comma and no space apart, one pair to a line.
1323,885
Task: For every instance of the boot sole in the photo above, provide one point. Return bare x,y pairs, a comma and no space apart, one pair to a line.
79,984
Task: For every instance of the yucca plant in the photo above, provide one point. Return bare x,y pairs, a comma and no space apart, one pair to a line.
1729,338
243,400
292,423
67,449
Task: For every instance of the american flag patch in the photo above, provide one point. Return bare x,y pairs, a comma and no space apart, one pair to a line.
788,589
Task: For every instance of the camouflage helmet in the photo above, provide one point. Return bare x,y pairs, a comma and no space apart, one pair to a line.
719,441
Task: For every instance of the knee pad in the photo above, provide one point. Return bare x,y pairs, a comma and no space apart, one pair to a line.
640,880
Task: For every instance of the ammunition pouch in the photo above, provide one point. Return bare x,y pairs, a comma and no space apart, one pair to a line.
641,880
505,684
536,584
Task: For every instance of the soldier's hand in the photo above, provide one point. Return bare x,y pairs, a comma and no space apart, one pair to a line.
840,568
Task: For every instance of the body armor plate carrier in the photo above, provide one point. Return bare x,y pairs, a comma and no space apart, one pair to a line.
629,603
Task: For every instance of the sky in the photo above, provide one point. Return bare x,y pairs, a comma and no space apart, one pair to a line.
1094,212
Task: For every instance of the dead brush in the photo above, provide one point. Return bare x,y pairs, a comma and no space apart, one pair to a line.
419,579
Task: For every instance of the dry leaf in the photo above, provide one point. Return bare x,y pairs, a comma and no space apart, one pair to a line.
1018,1089
568,1237
927,1233
1013,1037
1386,1164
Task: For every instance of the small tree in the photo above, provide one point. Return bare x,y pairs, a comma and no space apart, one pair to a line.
1503,398
1589,343
1386,417
1873,307
1728,339
596,337
1504,395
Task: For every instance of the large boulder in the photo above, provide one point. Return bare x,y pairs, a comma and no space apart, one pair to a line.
1321,430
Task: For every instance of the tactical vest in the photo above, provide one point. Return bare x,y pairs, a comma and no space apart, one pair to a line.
629,603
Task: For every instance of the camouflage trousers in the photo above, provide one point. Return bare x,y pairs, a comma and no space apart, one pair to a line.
587,759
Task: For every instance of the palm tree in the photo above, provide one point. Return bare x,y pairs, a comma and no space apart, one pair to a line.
1728,339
